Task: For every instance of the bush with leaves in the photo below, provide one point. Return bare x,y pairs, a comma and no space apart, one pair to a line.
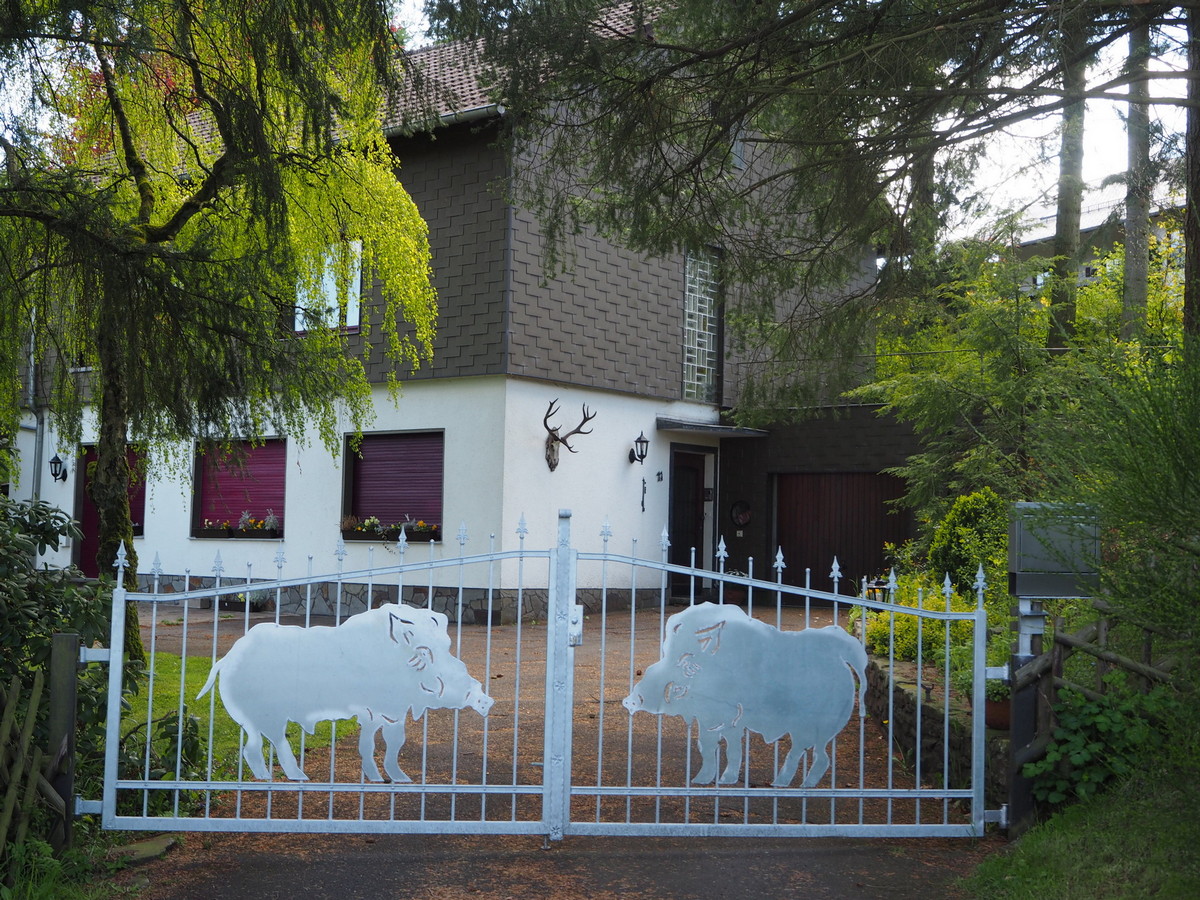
38,601
974,533
1100,739
899,631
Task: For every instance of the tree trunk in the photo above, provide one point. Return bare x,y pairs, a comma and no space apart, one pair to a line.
1191,221
1070,189
110,482
1139,184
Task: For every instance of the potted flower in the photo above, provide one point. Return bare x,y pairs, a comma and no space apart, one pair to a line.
266,528
421,531
212,528
997,693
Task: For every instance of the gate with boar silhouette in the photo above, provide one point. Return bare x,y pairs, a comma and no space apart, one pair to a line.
554,692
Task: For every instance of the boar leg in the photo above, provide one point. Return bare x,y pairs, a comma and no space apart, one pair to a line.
287,759
393,740
366,748
820,764
791,763
708,740
733,759
252,752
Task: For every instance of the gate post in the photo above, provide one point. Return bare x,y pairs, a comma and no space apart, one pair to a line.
1023,727
60,726
560,683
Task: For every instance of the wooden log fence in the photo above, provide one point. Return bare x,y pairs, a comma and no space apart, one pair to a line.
1036,682
28,774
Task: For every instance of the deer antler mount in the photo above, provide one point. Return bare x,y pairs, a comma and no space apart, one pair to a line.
553,438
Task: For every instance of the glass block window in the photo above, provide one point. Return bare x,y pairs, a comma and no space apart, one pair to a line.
702,296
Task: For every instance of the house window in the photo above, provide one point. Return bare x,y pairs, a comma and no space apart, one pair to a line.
395,479
335,300
89,515
240,492
702,295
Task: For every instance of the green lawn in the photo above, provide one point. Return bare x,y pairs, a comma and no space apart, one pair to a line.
1140,839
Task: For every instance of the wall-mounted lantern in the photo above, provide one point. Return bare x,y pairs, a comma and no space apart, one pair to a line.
57,470
641,447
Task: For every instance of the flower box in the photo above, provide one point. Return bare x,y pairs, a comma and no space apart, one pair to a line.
392,535
262,534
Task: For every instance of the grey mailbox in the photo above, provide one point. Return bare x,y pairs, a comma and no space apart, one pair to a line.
1053,551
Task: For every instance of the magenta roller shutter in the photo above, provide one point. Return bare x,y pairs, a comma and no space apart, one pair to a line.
257,485
398,478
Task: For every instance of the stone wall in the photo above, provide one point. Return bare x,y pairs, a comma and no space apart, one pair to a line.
904,731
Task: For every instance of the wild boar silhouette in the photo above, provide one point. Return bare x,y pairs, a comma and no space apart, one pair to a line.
729,672
377,667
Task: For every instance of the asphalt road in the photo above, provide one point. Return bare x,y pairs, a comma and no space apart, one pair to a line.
434,867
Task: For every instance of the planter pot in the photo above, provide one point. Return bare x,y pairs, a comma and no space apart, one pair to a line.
998,713
392,535
211,533
424,537
260,534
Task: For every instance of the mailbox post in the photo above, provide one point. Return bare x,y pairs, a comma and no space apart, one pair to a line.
1053,553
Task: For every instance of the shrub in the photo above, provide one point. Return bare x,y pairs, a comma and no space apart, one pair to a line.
975,532
902,633
1098,740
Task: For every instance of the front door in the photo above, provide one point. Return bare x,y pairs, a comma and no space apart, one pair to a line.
687,515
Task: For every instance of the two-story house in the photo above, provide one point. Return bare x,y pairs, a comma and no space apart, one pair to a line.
621,357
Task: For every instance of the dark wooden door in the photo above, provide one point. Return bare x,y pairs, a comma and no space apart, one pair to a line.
842,514
686,528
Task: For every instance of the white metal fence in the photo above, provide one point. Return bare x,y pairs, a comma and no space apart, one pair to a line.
576,738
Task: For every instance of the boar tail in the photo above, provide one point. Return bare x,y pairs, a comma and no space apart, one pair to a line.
212,678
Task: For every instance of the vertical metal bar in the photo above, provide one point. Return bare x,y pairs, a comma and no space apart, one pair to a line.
218,569
458,615
605,535
487,671
977,723
339,586
522,531
556,797
183,657
115,673
633,573
918,743
946,714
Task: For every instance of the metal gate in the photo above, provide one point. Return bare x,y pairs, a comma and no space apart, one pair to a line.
553,692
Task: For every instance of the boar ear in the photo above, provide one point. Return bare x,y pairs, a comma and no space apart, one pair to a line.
405,633
709,638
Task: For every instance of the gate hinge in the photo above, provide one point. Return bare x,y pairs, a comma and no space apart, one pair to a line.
88,807
999,816
575,628
1000,672
94,654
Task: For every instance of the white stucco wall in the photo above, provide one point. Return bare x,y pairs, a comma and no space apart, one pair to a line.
495,474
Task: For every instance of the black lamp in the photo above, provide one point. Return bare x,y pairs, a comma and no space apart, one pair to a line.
57,470
640,448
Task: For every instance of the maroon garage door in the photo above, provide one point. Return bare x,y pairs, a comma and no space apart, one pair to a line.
842,514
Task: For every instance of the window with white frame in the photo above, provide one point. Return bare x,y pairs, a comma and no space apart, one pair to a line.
336,299
701,308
